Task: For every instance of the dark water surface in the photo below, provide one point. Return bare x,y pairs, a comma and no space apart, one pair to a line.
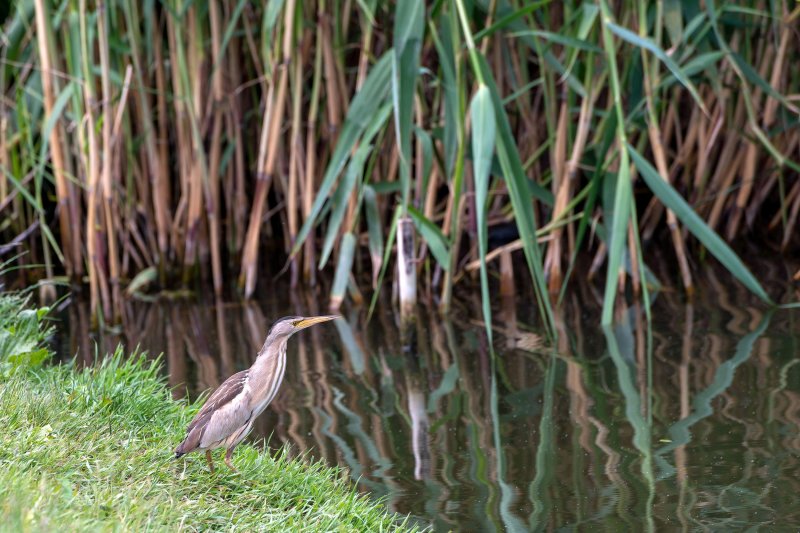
698,429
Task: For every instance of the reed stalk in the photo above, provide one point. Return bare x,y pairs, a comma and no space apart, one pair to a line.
66,208
270,142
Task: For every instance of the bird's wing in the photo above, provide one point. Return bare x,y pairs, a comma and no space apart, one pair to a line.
220,404
226,392
225,421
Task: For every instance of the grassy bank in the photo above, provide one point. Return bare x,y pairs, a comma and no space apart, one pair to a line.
92,450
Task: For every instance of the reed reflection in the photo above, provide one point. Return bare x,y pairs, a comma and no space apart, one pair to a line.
696,429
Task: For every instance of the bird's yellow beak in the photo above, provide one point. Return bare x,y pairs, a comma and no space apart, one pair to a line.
311,320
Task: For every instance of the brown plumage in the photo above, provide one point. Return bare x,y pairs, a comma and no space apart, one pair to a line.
227,416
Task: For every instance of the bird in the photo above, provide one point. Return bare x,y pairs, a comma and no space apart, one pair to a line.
227,416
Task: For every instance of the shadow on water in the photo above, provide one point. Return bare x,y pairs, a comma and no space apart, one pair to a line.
694,424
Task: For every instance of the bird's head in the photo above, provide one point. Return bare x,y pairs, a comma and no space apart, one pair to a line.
287,326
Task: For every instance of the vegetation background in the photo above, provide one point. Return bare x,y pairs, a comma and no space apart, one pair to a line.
167,141
348,144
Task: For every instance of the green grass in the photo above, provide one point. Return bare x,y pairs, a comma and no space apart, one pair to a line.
92,450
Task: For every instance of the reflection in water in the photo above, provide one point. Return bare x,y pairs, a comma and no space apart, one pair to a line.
693,425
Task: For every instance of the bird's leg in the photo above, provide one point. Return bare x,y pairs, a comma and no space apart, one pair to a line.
210,461
228,455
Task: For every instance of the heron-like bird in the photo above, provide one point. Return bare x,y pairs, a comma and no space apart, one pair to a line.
228,414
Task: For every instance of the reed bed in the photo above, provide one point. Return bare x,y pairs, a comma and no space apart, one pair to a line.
166,141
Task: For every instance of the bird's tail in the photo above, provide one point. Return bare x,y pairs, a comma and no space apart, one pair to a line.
190,443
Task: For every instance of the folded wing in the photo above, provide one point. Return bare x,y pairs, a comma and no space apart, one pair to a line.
221,415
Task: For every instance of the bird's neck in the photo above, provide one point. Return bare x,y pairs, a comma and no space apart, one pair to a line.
271,360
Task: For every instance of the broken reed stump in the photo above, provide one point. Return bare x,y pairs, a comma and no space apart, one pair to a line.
406,269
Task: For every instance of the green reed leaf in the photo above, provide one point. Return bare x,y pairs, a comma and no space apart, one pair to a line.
409,24
519,191
509,19
558,38
433,237
643,42
343,266
483,125
699,64
52,119
341,196
589,13
445,47
617,234
426,143
229,30
618,219
341,199
389,242
374,227
673,20
689,218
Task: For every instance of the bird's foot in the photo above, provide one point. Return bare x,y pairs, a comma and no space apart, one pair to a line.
228,461
210,461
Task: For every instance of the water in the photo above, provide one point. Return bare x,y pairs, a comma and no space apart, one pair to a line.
699,432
